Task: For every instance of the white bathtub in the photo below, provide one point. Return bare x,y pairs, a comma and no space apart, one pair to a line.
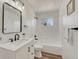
54,49
50,46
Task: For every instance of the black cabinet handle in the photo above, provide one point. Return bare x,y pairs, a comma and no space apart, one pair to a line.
36,38
28,49
31,53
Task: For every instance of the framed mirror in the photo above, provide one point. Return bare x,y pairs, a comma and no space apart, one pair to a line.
11,19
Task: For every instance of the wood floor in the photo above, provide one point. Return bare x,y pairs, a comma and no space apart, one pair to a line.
49,56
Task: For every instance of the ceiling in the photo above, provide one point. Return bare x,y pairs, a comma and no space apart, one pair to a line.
45,5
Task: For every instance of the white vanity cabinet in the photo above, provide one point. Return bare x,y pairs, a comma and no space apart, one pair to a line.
24,52
6,54
31,50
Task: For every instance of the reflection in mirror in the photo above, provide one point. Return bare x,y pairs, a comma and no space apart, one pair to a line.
12,19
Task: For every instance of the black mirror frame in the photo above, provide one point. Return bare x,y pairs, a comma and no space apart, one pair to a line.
3,18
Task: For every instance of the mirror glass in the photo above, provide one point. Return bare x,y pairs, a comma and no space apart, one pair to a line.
12,19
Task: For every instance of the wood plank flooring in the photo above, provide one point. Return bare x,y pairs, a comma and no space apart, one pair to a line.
49,56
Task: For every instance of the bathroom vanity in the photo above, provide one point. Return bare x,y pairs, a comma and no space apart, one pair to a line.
12,18
22,49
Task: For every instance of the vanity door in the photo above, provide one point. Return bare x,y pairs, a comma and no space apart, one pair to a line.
22,53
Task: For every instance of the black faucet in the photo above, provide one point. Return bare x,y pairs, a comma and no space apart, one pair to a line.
11,39
17,36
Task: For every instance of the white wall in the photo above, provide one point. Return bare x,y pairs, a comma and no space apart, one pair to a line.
48,35
27,19
68,21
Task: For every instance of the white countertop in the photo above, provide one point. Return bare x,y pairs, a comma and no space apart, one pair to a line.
13,46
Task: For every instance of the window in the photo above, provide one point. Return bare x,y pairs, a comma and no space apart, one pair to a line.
48,21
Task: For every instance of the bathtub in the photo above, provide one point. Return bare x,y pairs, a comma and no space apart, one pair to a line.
51,48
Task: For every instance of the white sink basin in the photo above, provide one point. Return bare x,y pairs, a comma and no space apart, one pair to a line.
3,42
15,42
13,46
18,42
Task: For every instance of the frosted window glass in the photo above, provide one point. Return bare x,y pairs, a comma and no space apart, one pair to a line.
47,21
